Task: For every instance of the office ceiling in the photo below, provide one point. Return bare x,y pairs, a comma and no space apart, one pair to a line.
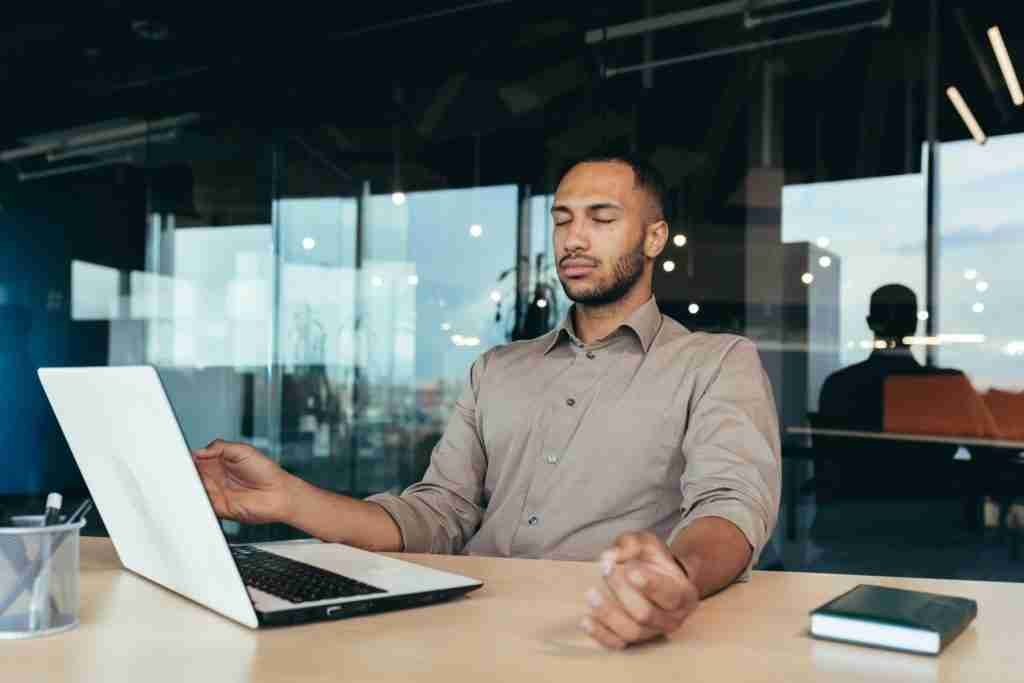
515,74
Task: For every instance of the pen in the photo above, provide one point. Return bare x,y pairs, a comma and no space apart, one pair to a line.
52,514
81,511
39,612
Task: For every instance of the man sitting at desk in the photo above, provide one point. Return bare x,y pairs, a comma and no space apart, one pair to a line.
913,482
854,396
619,431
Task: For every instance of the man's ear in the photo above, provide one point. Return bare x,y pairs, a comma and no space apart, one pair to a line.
657,237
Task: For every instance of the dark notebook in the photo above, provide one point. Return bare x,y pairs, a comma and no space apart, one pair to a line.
894,618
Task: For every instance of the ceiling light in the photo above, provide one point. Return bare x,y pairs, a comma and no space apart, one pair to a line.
445,327
1003,57
398,198
966,115
807,278
476,230
414,280
978,307
669,266
495,296
823,242
377,281
679,240
970,274
825,261
542,303
923,315
309,244
694,309
981,286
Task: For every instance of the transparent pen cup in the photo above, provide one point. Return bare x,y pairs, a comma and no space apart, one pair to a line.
38,577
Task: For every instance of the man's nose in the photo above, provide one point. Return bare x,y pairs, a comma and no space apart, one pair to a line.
576,237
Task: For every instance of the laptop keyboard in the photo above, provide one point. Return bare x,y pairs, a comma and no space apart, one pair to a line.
292,580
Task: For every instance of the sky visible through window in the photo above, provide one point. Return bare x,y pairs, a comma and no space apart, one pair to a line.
875,228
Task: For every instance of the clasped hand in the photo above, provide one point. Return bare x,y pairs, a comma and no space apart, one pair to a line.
646,593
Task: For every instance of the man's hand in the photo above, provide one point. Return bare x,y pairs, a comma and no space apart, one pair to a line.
243,484
647,594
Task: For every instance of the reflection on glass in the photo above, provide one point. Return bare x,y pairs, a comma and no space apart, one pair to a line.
981,248
94,291
374,347
548,300
873,230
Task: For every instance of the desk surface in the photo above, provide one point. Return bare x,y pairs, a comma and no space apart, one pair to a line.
520,626
920,438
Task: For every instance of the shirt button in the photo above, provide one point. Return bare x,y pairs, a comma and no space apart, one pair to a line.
590,355
532,521
570,402
552,459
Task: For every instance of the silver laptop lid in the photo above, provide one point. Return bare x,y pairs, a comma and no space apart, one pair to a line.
133,456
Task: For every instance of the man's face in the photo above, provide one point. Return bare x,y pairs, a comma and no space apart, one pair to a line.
601,232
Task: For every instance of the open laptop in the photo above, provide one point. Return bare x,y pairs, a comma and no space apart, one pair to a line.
129,446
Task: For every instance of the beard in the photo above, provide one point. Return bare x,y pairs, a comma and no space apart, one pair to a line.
626,273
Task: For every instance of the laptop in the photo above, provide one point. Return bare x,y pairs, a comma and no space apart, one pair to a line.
128,443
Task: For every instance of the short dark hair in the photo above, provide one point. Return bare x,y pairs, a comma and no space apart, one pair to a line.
893,311
645,175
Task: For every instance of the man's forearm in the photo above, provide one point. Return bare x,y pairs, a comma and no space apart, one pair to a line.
713,552
335,518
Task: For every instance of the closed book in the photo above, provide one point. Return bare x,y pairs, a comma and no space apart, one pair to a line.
894,618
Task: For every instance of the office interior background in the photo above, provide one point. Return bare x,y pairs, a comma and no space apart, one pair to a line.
312,220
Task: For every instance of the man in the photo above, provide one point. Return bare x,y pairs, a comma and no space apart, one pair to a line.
855,394
870,489
620,430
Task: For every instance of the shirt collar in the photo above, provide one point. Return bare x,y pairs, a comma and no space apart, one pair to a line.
644,321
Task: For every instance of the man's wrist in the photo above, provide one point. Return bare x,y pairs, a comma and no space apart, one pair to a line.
291,500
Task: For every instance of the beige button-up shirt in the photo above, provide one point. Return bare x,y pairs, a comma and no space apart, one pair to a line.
556,447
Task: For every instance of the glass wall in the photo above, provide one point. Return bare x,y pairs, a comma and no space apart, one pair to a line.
981,243
314,272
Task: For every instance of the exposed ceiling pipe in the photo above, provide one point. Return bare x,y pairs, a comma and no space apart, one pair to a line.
756,14
663,21
416,18
60,142
96,150
718,11
74,168
883,22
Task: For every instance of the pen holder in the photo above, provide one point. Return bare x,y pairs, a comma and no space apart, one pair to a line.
38,577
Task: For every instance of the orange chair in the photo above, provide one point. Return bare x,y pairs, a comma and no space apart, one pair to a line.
937,405
1007,407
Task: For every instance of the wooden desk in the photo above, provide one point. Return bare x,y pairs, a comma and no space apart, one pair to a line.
520,627
914,438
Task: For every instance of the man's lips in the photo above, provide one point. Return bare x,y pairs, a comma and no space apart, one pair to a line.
576,267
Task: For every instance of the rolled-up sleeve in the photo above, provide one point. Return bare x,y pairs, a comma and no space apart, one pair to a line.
441,513
732,451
